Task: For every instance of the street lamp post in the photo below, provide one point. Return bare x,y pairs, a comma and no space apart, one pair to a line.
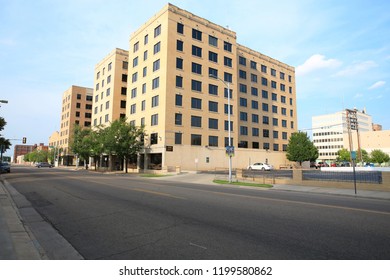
229,148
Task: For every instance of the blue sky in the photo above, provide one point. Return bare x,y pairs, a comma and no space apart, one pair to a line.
341,51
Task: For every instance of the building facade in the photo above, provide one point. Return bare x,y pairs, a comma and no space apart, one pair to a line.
110,82
331,130
76,109
180,66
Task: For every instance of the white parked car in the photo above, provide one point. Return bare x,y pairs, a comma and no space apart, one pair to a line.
260,166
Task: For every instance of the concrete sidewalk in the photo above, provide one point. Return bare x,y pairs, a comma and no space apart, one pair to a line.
25,235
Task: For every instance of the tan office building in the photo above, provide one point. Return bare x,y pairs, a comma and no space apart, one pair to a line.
172,90
76,109
110,81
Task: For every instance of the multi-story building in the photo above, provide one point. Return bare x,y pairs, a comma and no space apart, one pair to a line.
173,91
329,132
76,109
109,102
21,150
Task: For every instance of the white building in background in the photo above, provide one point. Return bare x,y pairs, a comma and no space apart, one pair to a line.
329,132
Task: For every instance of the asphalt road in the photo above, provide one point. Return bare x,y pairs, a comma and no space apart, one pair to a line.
108,216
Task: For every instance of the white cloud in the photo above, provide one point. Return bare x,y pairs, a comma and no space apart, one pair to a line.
316,62
357,68
377,85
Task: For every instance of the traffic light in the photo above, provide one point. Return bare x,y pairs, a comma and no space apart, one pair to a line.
24,140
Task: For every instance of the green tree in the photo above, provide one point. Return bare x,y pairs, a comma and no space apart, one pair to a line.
81,144
343,155
5,144
379,156
122,139
301,149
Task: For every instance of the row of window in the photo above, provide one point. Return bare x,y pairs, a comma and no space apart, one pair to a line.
327,133
330,147
213,41
213,141
328,140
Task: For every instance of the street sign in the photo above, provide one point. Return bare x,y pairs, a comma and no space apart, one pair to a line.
353,155
230,151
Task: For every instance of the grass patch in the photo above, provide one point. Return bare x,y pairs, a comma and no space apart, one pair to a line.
223,182
153,175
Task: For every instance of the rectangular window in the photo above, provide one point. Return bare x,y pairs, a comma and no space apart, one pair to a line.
154,120
143,105
255,104
156,83
273,84
242,74
213,41
243,130
196,51
178,119
227,46
196,85
153,138
243,102
179,81
274,109
255,145
213,141
255,131
254,91
273,72
196,140
244,116
134,93
196,121
180,28
213,57
135,62
196,103
133,109
145,55
178,138
213,123
213,72
263,68
213,89
179,45
264,107
157,48
255,118
146,39
227,77
155,101
253,65
179,63
196,68
265,120
243,88
264,81
196,34
227,61
213,106
157,31
124,78
179,100
123,104
156,65
227,126
242,61
265,133
134,77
